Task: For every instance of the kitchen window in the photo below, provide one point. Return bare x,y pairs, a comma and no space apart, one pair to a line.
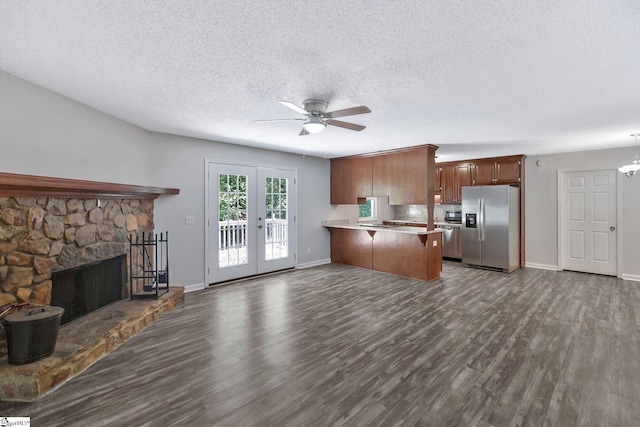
367,210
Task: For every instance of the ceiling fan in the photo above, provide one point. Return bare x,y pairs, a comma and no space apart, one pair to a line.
317,119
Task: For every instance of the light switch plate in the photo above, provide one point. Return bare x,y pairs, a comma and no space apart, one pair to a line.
189,219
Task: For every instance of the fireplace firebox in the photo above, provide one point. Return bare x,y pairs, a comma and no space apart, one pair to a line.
83,289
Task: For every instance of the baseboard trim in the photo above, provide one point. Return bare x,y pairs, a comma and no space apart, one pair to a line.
194,287
314,263
541,266
631,277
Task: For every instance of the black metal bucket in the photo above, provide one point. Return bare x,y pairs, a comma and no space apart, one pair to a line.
32,334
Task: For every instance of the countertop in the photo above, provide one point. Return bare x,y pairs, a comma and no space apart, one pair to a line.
373,227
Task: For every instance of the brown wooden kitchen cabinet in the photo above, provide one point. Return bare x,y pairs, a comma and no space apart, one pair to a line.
453,177
504,170
418,256
437,184
351,179
402,176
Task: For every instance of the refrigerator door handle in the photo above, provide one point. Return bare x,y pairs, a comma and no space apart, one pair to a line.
481,220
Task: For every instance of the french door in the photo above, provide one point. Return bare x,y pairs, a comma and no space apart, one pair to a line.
251,221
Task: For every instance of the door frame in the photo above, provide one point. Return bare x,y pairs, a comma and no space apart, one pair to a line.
562,207
207,161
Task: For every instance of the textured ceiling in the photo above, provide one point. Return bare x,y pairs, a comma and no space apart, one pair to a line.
476,78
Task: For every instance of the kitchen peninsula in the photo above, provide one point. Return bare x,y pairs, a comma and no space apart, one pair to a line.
408,251
404,177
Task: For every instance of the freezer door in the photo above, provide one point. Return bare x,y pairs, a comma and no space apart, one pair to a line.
495,227
471,244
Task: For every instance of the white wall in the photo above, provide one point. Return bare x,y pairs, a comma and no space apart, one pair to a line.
180,162
43,133
541,206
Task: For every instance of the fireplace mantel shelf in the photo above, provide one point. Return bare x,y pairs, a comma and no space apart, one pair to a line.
17,185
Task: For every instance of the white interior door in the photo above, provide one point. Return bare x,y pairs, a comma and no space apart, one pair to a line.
251,221
588,222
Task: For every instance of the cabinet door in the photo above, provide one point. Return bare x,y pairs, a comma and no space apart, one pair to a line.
402,176
447,179
507,172
453,178
350,179
483,173
463,179
437,184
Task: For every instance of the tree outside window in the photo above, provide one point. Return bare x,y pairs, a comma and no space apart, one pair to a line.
368,209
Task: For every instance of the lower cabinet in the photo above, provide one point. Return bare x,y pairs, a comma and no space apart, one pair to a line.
403,254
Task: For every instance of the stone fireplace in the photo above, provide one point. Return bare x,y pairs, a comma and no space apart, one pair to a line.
68,232
39,236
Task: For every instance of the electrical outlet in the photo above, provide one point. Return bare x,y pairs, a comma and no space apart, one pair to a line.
308,251
189,219
435,243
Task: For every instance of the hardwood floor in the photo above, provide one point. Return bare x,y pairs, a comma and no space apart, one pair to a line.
338,345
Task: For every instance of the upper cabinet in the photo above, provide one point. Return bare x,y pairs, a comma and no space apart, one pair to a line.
405,176
350,180
402,176
502,170
452,178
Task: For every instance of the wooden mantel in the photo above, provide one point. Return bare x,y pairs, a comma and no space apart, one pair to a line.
17,185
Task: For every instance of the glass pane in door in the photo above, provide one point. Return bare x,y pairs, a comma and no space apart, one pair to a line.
232,220
276,225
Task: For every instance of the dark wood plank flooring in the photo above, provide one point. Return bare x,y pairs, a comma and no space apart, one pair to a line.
338,345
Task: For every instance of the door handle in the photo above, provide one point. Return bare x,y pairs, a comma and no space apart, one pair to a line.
260,226
612,228
478,220
481,221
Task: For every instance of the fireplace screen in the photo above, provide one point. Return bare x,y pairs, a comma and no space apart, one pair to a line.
86,288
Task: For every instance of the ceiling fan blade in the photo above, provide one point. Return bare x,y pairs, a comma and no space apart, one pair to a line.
274,120
348,112
294,107
346,125
303,132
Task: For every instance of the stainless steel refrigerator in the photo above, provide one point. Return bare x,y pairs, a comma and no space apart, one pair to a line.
490,227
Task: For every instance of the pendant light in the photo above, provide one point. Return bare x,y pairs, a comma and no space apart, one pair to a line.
631,169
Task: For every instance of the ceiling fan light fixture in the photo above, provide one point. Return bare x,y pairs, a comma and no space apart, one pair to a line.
315,124
631,169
